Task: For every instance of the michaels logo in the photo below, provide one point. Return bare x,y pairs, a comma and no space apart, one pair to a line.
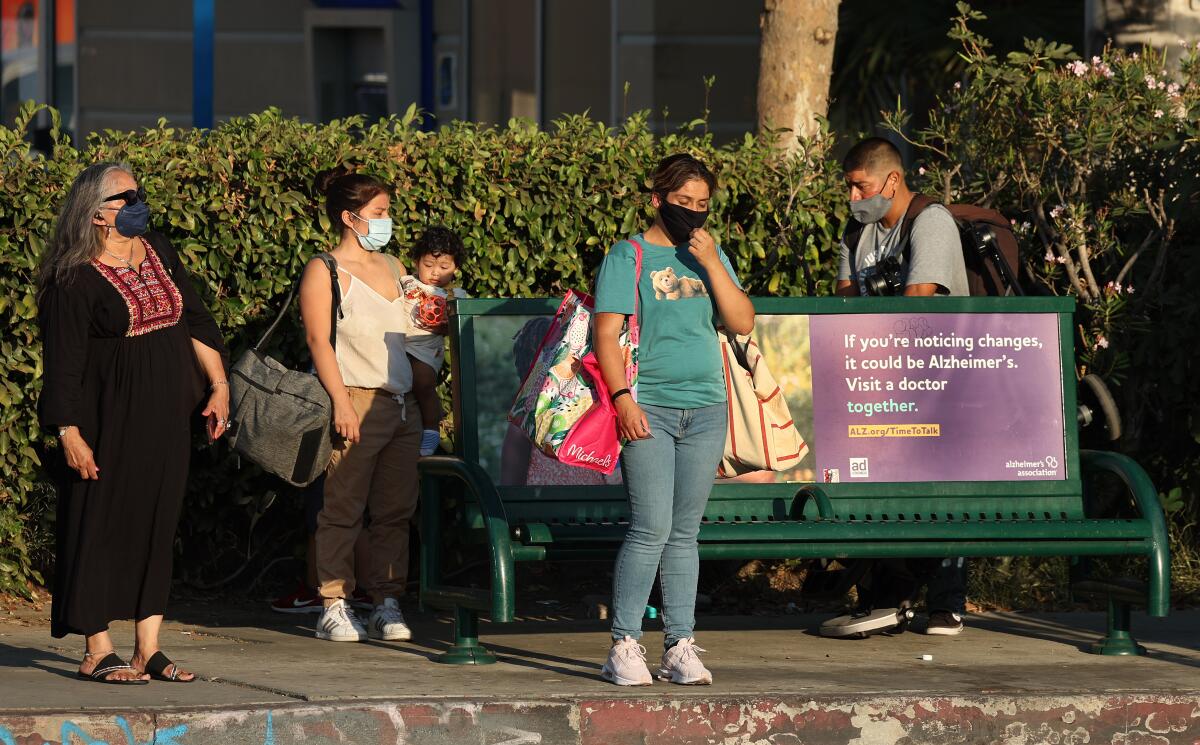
859,468
576,452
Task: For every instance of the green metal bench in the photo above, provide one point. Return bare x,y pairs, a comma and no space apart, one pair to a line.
460,495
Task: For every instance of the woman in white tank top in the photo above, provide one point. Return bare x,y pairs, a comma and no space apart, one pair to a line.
377,427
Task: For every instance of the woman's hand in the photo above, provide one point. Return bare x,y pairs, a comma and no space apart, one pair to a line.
704,248
79,455
345,421
217,411
631,420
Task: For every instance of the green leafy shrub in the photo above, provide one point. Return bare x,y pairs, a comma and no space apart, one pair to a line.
536,209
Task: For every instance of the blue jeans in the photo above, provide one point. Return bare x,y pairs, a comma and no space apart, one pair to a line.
668,479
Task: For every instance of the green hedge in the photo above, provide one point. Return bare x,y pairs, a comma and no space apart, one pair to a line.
1096,165
536,209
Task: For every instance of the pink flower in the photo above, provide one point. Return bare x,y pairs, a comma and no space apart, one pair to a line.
1150,82
1050,257
1129,289
958,85
1078,68
1101,342
1097,61
1135,56
921,170
1158,113
1061,259
1056,211
1173,89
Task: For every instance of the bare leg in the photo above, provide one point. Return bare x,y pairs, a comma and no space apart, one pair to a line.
146,644
97,647
425,391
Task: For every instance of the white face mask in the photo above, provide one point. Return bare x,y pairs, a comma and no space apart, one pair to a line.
379,232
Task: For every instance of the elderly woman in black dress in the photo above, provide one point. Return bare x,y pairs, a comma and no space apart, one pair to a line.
129,349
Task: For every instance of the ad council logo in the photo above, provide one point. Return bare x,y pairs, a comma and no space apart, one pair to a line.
859,468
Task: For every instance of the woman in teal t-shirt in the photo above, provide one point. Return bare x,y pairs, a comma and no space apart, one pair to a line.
676,428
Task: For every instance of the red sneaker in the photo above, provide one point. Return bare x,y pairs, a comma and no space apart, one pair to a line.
303,600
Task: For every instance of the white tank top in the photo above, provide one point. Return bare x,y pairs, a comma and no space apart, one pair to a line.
370,339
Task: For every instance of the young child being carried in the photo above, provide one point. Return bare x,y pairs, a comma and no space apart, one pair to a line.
436,258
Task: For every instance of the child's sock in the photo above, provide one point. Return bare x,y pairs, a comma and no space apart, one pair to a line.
429,441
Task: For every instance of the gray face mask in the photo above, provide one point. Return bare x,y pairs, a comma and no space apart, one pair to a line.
872,210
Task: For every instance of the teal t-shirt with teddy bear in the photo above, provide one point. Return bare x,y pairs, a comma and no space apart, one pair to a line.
679,360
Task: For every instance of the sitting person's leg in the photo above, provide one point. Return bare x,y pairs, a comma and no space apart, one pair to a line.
946,597
425,391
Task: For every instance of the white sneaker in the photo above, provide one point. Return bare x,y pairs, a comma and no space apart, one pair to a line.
338,623
387,623
681,664
626,665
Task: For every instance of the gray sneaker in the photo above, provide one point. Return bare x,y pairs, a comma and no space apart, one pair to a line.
681,664
339,624
626,665
387,623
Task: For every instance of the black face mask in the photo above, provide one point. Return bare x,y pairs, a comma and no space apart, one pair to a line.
680,221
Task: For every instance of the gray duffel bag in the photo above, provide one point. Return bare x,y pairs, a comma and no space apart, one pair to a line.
281,418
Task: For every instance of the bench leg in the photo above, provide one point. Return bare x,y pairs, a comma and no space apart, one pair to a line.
1119,640
466,649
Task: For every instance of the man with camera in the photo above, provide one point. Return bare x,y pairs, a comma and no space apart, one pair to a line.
880,261
881,256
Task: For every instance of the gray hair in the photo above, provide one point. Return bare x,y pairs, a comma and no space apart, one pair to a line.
77,240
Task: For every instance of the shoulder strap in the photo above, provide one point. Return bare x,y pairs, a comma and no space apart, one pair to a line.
331,264
335,310
393,264
915,207
850,237
637,281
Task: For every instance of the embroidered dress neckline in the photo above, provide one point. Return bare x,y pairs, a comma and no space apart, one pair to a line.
151,296
374,292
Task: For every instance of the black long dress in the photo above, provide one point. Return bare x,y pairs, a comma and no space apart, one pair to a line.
118,363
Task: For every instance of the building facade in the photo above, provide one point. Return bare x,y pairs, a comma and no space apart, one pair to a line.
123,64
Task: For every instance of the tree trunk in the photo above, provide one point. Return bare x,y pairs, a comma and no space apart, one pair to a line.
795,64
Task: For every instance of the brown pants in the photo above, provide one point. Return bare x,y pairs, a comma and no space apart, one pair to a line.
380,472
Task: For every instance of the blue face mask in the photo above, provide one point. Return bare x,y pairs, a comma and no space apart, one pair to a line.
379,232
132,219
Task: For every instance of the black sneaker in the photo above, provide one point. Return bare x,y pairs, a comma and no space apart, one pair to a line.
944,623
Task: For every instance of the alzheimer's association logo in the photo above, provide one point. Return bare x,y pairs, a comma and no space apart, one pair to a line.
859,469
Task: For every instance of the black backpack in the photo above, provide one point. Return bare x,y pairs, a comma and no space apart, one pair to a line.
989,246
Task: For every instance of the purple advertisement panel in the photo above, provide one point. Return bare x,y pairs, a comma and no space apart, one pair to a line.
937,397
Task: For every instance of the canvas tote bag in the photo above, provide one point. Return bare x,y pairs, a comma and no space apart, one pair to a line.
761,434
563,404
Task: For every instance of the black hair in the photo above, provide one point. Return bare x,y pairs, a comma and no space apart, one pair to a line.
439,241
346,191
873,155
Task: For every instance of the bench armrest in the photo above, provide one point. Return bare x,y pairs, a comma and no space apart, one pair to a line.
818,495
1145,496
479,487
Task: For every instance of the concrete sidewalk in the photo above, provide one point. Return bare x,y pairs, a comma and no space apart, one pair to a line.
1011,678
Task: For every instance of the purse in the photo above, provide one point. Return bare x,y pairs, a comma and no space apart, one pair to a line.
563,405
281,418
761,434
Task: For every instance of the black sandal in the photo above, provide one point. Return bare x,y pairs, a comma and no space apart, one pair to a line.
157,667
107,666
